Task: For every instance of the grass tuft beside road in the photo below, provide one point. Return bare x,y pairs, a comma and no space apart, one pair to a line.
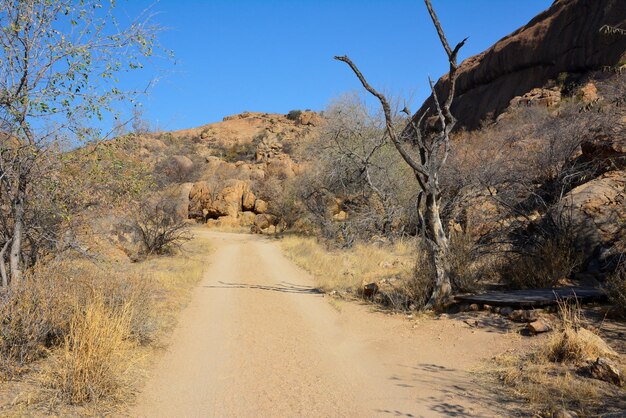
350,268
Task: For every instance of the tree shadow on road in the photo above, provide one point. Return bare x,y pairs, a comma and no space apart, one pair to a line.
447,392
284,287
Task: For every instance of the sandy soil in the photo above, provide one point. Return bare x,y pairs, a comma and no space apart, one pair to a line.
258,340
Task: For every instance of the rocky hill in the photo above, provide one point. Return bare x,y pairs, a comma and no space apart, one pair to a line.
562,44
218,172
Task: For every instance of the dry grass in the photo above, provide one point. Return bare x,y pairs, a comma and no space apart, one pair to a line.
350,269
574,343
544,385
403,270
175,277
548,377
80,332
95,361
235,229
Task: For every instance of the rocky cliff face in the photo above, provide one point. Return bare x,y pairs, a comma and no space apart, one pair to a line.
566,40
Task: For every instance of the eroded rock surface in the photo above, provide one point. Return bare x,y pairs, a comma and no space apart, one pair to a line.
565,39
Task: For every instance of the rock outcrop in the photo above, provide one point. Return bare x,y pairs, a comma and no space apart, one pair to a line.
308,118
212,201
538,97
565,39
598,211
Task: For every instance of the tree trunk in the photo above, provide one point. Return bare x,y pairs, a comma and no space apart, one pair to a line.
16,246
439,244
3,268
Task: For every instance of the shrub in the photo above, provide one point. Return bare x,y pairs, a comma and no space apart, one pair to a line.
239,152
93,361
549,256
282,197
615,287
465,266
37,312
420,286
175,169
544,266
32,321
159,226
294,114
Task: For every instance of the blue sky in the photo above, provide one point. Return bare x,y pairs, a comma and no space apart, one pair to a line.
276,55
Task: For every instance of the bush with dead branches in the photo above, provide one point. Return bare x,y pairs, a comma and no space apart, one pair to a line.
615,287
357,171
159,227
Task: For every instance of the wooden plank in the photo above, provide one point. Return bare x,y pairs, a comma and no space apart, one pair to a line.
529,298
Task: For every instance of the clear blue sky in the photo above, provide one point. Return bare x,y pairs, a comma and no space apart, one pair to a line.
276,55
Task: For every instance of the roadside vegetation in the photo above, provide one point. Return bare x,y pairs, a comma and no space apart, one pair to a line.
80,332
558,374
532,199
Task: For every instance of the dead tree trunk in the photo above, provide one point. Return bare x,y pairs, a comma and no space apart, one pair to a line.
432,153
439,247
3,268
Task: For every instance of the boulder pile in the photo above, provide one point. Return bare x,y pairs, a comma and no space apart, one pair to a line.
229,203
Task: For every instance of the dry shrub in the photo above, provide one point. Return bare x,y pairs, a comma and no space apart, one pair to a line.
575,343
31,323
419,287
37,313
93,362
615,288
466,266
159,225
548,262
548,378
77,326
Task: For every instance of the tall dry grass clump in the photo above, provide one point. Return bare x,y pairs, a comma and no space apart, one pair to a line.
95,358
41,313
548,377
574,343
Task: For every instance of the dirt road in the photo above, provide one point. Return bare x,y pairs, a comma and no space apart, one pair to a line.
257,340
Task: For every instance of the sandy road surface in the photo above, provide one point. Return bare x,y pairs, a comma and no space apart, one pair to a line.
257,340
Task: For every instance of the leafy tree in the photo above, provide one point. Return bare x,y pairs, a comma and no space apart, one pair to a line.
59,67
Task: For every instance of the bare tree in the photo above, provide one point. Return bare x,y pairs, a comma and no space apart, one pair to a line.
159,226
433,151
59,61
358,165
140,125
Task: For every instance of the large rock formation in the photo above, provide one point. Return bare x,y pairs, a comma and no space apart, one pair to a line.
566,38
598,211
212,201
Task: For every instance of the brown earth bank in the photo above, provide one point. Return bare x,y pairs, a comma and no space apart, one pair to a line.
258,339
